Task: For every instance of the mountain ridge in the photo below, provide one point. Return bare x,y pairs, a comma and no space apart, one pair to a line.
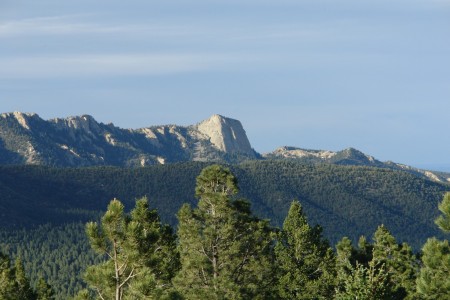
76,141
25,138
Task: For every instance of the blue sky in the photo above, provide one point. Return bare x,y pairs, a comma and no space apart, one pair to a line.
331,74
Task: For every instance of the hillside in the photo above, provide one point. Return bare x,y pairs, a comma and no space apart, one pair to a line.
345,200
43,209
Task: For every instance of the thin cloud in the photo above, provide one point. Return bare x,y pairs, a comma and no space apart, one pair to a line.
78,25
116,65
58,25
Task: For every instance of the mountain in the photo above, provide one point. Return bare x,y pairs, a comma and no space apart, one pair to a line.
82,141
79,141
351,157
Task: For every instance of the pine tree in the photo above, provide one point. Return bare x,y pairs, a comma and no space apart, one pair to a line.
225,252
433,281
44,290
8,285
360,275
140,254
345,262
366,283
398,260
305,260
443,221
24,290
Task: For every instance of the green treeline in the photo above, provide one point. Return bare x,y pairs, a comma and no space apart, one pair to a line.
222,251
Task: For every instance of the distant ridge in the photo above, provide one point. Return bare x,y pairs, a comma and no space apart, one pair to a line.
26,139
350,156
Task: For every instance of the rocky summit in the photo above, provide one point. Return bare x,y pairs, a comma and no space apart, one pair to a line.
82,141
25,138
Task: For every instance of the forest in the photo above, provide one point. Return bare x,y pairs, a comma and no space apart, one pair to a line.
220,246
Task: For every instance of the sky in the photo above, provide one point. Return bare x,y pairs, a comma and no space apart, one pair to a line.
315,74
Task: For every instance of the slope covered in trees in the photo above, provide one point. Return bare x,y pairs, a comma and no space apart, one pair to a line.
221,227
224,252
345,200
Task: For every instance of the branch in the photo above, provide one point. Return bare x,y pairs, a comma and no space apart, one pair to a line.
100,294
128,278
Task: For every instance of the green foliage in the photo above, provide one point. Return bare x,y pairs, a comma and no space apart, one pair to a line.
345,200
225,252
399,261
366,283
59,254
305,260
386,268
15,285
23,288
140,254
44,290
443,221
7,280
434,278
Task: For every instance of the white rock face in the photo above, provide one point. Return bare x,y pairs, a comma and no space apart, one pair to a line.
432,176
291,152
84,123
20,117
226,134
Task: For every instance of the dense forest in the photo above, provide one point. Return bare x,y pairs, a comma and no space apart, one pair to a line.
345,201
221,250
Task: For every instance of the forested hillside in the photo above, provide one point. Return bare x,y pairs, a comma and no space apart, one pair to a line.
345,200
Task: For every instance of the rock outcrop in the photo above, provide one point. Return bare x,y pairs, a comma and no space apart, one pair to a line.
226,134
82,141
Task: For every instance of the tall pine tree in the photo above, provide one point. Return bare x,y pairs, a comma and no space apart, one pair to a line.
225,252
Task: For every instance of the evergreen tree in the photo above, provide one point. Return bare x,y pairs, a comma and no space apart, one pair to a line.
443,221
8,285
24,290
225,252
345,261
134,246
43,290
305,260
359,276
398,260
366,283
434,278
364,253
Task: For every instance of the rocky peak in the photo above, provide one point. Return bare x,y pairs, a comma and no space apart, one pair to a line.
226,134
84,123
21,118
